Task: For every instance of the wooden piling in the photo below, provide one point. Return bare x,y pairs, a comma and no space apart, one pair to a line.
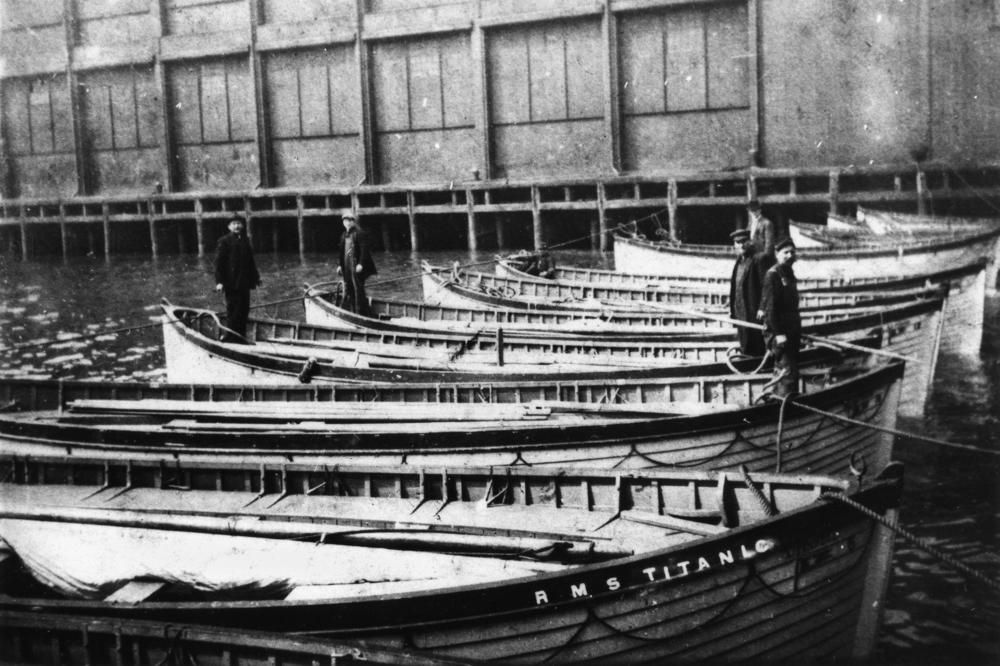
536,217
921,193
602,218
106,226
300,220
473,227
500,220
386,232
672,209
63,232
199,226
153,241
412,217
834,192
24,240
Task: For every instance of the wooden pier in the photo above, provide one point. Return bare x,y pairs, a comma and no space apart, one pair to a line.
492,211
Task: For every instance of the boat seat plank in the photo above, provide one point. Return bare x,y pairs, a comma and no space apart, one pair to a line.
135,591
382,411
673,523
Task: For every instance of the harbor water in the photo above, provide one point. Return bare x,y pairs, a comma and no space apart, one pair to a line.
933,614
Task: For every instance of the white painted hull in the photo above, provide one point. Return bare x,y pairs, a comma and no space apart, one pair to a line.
964,310
714,261
189,364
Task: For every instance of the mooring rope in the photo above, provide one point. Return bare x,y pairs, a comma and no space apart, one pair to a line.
915,540
764,503
894,431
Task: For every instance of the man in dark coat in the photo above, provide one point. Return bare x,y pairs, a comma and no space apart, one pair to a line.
355,265
543,264
762,229
744,291
235,275
782,321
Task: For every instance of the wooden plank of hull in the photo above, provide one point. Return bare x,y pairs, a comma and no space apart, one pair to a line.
760,614
789,586
71,640
810,443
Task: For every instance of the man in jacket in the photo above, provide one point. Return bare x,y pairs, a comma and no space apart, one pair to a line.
782,321
235,275
762,230
355,265
745,289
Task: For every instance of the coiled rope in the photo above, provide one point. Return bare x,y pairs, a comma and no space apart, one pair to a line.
914,540
734,352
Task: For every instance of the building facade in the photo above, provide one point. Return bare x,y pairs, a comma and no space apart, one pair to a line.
121,98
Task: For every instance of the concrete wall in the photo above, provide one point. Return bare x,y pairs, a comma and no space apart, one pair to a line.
119,95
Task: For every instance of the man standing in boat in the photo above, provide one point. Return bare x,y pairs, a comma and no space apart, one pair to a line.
355,265
762,231
235,275
543,265
782,321
745,289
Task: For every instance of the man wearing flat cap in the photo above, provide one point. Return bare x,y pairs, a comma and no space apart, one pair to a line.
355,265
782,321
744,291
